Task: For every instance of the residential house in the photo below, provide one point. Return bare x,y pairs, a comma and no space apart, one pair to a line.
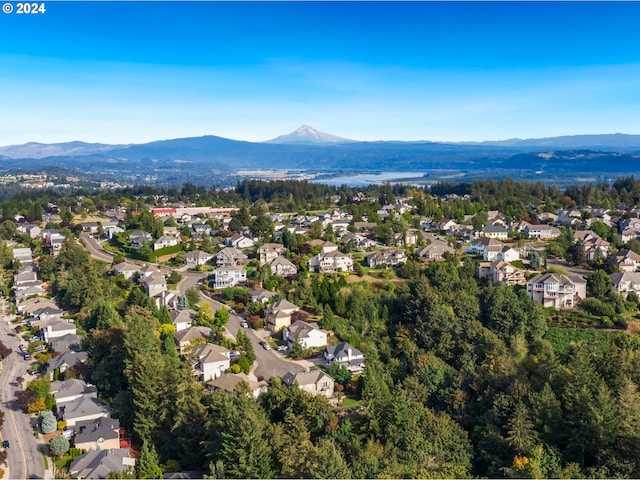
149,270
165,241
239,241
100,463
346,355
230,381
282,267
269,252
556,290
627,260
501,272
86,407
57,329
34,231
224,277
64,361
32,305
139,238
100,434
625,282
307,333
196,258
629,229
315,381
333,261
70,390
191,336
212,360
446,225
22,255
65,343
127,270
542,232
594,246
385,258
230,256
499,232
201,229
154,284
261,295
278,315
435,250
182,319
325,247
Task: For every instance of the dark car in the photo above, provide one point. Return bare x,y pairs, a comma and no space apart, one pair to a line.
5,444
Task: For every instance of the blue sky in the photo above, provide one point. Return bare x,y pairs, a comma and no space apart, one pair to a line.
131,72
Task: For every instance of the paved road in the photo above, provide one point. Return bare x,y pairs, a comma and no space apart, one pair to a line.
269,363
95,249
25,460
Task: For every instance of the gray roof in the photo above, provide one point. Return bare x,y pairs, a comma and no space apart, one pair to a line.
192,333
82,407
71,387
92,430
68,359
312,377
99,463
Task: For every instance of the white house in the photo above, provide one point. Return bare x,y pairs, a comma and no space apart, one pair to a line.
333,261
224,277
165,241
212,360
197,257
307,333
346,355
239,241
541,231
625,282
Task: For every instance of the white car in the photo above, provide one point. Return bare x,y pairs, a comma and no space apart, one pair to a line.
244,324
282,348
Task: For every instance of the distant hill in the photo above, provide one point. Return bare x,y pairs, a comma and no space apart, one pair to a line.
613,141
307,135
576,161
42,150
198,156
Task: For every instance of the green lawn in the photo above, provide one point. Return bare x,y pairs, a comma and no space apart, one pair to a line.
349,403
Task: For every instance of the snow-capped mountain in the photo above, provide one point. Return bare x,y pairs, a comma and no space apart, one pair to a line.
306,135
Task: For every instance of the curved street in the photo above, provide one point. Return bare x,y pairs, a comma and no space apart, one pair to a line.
24,457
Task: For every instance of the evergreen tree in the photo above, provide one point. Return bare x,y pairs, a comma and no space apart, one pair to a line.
148,464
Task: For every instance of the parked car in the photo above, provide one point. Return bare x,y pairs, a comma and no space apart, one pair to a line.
244,324
235,354
5,444
21,347
266,346
282,348
27,356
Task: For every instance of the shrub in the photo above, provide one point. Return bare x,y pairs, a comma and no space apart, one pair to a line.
48,422
58,446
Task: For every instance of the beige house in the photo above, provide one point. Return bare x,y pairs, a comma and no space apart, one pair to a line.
191,336
625,282
556,290
279,315
196,258
282,267
100,434
627,261
501,272
230,381
269,252
230,256
316,382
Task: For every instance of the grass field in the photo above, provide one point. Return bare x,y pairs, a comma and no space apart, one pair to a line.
563,339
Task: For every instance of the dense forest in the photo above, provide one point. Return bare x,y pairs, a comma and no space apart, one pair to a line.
464,378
